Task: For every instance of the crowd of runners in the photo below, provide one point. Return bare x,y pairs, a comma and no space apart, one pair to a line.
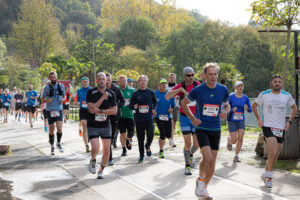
114,107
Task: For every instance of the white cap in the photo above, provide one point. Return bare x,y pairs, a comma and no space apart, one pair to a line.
238,83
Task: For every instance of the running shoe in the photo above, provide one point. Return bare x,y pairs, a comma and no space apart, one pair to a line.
268,182
87,147
124,153
31,125
92,167
128,144
115,146
149,152
52,150
60,148
188,171
201,190
141,160
161,155
110,163
263,177
236,159
192,163
229,145
100,174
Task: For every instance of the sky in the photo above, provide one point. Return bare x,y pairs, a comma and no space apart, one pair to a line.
233,11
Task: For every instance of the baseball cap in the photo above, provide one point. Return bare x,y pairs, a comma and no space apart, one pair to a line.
238,83
85,78
163,80
129,80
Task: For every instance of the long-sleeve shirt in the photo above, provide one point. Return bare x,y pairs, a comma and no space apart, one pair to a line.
119,99
146,101
239,103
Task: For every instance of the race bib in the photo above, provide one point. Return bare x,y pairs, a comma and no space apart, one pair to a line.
67,103
100,117
277,132
6,104
238,116
143,108
84,104
211,110
163,117
19,100
193,103
54,113
127,101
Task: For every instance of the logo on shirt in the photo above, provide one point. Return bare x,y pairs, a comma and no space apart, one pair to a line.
211,96
128,93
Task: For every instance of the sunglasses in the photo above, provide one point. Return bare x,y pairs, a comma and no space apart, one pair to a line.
190,75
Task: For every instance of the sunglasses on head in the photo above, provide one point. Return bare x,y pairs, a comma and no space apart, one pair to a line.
190,75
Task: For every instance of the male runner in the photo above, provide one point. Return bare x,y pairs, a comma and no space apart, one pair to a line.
274,126
101,103
163,116
171,84
18,99
31,97
66,104
182,89
54,96
210,97
126,122
83,110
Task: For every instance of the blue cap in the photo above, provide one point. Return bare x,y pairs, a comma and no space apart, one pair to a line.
129,80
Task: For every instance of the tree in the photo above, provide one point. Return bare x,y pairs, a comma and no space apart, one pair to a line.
2,51
46,68
134,75
36,33
278,13
137,32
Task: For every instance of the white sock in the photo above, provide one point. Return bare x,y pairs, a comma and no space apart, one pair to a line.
265,174
270,174
236,154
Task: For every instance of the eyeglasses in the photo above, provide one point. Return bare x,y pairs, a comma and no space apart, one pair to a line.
190,75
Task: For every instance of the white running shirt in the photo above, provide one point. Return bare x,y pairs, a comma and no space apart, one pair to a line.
274,107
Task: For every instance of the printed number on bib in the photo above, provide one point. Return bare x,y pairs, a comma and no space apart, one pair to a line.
100,117
238,116
6,104
84,104
277,132
54,113
127,101
67,103
19,101
143,108
164,117
211,110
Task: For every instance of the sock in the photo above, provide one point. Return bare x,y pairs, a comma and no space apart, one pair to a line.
59,135
161,151
19,116
110,154
265,174
186,156
201,178
94,160
270,174
124,149
51,139
102,167
236,154
16,115
193,150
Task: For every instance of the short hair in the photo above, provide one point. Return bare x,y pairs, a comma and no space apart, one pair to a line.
51,73
172,74
211,65
276,76
108,75
143,76
123,76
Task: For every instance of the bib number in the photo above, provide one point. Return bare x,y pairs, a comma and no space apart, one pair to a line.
100,117
163,117
144,109
127,101
6,104
211,110
84,104
277,132
19,101
54,113
238,116
67,103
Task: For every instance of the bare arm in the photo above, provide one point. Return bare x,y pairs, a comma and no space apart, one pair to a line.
188,112
173,93
255,111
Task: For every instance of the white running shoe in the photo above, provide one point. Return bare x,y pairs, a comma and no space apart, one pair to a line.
60,148
100,174
201,190
263,177
92,167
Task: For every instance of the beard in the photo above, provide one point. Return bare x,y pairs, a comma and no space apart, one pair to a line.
276,89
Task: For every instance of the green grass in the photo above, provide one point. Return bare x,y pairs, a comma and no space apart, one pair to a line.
288,165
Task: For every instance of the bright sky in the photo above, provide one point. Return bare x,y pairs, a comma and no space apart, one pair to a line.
233,11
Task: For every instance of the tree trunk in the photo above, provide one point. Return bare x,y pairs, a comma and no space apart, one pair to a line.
287,51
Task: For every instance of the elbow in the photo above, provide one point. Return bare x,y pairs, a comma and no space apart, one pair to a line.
114,111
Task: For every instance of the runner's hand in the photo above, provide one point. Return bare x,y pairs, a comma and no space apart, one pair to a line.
135,106
154,112
287,126
170,110
223,115
61,101
105,95
246,107
234,109
196,122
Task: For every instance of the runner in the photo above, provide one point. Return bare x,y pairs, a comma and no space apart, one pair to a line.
54,96
101,102
18,99
24,106
144,102
210,97
114,118
170,86
274,126
6,99
83,109
12,103
236,118
66,104
182,89
1,103
130,82
163,116
31,97
126,122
